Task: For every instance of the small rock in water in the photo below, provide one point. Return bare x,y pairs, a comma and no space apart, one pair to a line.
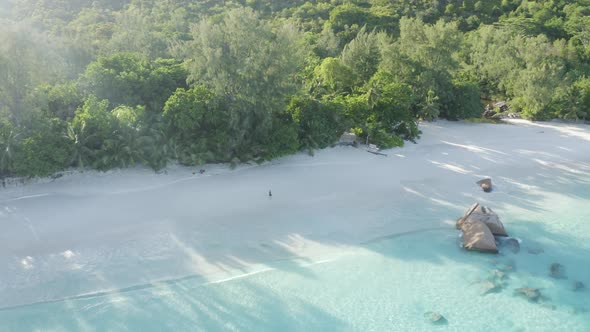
435,318
557,271
506,267
512,245
485,184
532,294
488,287
579,286
548,306
497,275
535,251
578,310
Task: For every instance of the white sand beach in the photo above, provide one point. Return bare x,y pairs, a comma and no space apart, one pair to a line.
92,232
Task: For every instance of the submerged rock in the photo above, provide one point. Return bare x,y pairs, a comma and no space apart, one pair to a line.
505,265
578,310
487,287
557,271
535,251
578,286
532,294
435,318
497,275
511,244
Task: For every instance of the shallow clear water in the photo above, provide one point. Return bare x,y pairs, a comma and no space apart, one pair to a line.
383,285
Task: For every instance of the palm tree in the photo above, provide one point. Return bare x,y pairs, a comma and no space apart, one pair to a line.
155,147
82,154
122,149
7,144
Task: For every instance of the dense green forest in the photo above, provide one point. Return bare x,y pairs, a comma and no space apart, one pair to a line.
103,84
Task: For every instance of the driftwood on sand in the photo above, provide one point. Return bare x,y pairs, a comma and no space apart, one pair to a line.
375,150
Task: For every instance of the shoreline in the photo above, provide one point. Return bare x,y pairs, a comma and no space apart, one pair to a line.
89,232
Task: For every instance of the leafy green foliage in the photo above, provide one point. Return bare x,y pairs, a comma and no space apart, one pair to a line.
320,123
197,126
333,77
466,101
362,55
8,143
44,151
250,64
126,79
119,83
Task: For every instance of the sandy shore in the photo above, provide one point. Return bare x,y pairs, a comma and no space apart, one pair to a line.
91,232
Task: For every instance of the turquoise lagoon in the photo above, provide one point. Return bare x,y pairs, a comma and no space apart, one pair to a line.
386,284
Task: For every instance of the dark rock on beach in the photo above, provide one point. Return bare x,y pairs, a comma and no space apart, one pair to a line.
485,184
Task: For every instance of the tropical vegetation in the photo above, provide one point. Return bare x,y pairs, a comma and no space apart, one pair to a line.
101,84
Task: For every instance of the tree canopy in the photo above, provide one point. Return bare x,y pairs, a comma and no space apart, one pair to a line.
103,83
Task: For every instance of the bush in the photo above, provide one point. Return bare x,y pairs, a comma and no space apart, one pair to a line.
319,122
198,125
466,102
283,138
45,152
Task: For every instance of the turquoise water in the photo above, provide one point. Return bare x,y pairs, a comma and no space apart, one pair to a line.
387,284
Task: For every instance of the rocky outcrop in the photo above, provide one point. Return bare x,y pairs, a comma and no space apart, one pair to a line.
489,112
486,215
490,218
466,215
478,237
347,139
501,106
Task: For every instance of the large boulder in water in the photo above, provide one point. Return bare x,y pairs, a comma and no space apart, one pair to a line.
466,214
478,237
486,215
